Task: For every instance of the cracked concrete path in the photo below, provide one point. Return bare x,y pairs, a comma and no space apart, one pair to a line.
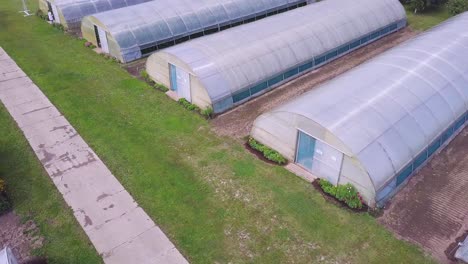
118,228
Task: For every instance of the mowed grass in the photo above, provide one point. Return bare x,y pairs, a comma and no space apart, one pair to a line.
215,201
429,18
35,197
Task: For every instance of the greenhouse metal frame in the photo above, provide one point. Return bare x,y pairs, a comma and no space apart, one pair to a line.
231,67
70,13
379,123
140,30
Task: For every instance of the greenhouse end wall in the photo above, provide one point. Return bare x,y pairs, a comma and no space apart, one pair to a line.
279,131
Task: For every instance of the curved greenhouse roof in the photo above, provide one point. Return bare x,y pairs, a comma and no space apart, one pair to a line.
71,12
236,64
142,29
388,115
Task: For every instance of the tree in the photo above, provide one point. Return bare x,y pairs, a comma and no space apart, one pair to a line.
418,5
456,7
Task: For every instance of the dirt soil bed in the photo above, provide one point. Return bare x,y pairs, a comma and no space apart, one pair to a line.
432,209
237,122
135,67
21,237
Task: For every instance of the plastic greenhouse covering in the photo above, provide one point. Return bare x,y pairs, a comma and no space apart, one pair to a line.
235,64
158,24
397,110
74,10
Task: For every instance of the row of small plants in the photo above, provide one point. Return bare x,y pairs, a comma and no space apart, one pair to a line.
4,202
267,152
43,16
344,193
208,112
145,76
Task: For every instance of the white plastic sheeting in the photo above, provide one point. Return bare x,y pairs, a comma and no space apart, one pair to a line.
257,56
73,11
395,111
7,257
462,252
154,25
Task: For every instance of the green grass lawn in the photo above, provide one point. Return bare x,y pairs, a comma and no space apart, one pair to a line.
427,19
35,197
214,200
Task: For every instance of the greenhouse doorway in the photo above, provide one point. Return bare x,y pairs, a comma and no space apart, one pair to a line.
318,157
180,82
53,9
101,39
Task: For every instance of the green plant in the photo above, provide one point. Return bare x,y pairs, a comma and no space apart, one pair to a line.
186,104
160,87
328,187
144,74
456,7
267,152
58,26
4,202
41,14
2,186
207,112
345,193
417,5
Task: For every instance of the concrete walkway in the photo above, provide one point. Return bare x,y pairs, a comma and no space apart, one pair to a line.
118,228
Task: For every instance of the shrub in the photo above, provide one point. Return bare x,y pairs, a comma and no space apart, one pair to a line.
186,104
417,5
4,203
456,7
144,74
267,152
59,26
41,14
161,87
2,186
345,193
207,112
328,187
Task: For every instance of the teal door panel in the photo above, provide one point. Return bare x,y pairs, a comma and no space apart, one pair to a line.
173,77
305,150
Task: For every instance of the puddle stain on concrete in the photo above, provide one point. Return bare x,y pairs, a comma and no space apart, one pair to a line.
102,196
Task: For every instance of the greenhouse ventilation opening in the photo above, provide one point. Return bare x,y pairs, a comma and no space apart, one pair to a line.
231,67
140,30
69,13
379,123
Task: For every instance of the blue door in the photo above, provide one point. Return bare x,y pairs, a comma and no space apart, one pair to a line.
173,76
305,150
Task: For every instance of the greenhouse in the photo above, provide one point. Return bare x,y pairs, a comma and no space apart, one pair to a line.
377,124
229,68
131,33
69,13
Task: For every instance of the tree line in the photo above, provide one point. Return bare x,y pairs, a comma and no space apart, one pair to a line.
454,7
